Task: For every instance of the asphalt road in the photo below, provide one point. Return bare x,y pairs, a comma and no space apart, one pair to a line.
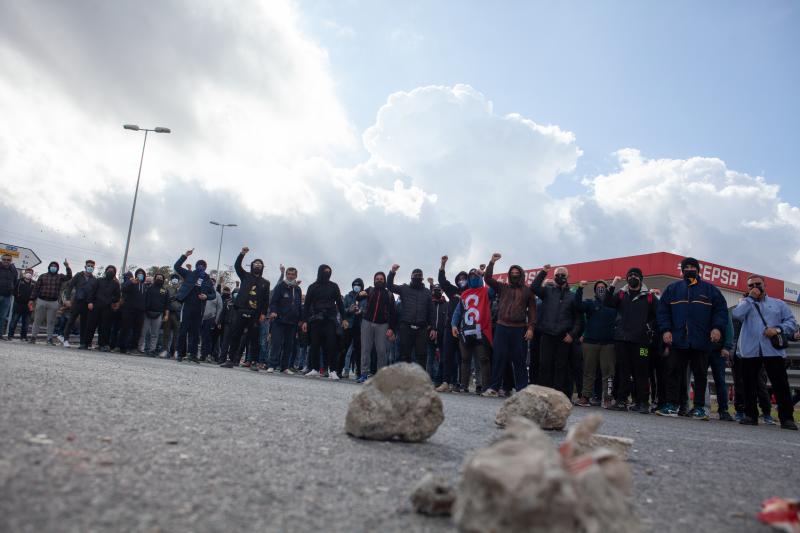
105,442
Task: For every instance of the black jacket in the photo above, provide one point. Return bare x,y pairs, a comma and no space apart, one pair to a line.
441,315
636,315
559,313
105,293
286,302
452,291
8,280
416,307
83,286
253,290
133,296
323,300
22,294
380,307
156,299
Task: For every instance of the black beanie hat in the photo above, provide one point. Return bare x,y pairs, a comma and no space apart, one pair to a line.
636,271
690,261
416,271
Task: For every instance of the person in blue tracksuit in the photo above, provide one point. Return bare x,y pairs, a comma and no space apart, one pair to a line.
195,289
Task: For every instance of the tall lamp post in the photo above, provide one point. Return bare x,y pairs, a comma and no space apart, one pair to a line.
134,127
221,233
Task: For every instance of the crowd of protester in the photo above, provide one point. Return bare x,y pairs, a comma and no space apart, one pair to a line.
624,347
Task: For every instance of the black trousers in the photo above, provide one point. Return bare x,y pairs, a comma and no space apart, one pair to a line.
245,327
633,360
776,371
351,336
535,349
79,310
189,332
100,322
322,335
679,360
554,357
739,389
416,341
130,329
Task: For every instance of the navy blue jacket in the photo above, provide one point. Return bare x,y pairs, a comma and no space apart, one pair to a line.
286,302
691,312
599,319
194,283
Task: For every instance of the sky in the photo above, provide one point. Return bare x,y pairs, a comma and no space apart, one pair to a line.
365,133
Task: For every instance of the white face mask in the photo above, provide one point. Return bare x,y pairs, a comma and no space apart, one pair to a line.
28,276
173,282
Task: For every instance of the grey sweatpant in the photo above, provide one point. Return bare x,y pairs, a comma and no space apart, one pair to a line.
45,312
594,355
373,334
151,326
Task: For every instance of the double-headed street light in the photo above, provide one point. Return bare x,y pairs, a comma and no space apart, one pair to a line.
134,127
221,233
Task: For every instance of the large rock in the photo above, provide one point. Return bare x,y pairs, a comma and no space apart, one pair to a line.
433,496
523,483
398,403
547,407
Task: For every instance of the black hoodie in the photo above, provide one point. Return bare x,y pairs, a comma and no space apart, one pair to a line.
253,292
453,292
133,293
107,290
323,298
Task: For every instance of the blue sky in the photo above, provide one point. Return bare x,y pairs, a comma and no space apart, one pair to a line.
673,79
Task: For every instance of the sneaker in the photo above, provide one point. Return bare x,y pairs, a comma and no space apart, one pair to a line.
163,354
738,416
333,375
226,364
444,387
202,358
362,378
345,375
618,406
246,364
789,424
490,393
768,420
32,340
83,347
667,410
287,371
643,408
323,373
60,338
105,349
684,411
312,374
501,393
270,370
582,402
254,368
64,343
179,359
699,413
607,403
747,421
595,402
51,342
478,389
725,416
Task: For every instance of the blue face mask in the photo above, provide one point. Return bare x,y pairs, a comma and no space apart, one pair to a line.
475,283
89,269
53,270
140,277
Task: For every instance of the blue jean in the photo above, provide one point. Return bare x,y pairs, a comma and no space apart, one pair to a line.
509,347
300,355
434,367
206,329
717,363
5,306
282,345
263,343
16,317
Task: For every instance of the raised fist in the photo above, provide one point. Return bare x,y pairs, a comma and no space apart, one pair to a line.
245,249
189,252
444,260
496,257
395,267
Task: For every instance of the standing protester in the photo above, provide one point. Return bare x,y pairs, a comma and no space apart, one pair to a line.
351,329
322,302
22,296
81,286
692,314
766,324
516,319
102,304
8,284
156,311
285,308
472,325
133,306
196,288
636,308
250,308
218,337
560,323
441,324
597,343
44,299
416,316
378,324
211,314
719,358
172,325
452,356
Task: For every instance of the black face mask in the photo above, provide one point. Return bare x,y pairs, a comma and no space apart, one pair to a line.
380,284
514,278
226,295
325,275
689,274
159,282
600,292
110,274
633,282
561,279
437,294
416,282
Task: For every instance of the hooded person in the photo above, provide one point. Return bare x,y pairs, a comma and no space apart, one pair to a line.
285,308
323,301
351,331
441,324
44,298
132,312
378,323
691,315
102,300
249,310
598,343
172,323
193,293
416,316
516,319
471,324
452,357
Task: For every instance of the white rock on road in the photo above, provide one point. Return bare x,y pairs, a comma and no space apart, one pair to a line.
547,407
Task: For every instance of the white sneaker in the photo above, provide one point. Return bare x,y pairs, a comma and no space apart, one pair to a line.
270,370
333,375
163,354
312,374
288,372
60,338
65,342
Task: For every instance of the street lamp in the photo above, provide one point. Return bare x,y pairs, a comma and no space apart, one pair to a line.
134,127
221,233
